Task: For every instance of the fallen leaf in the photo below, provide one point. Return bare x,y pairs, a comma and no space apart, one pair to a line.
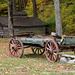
31,59
6,72
10,64
15,63
0,64
39,64
61,66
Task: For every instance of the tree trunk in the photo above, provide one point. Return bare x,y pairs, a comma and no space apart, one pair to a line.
14,5
34,9
19,2
24,4
58,18
60,1
10,18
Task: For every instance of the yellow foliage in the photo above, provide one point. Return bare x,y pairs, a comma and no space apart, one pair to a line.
2,6
70,29
46,11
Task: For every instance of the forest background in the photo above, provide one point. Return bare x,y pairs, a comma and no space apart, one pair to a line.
46,12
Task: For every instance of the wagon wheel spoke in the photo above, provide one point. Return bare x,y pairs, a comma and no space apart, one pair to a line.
35,50
18,44
12,51
17,53
54,55
15,42
47,48
19,48
41,50
48,55
12,42
52,46
38,51
52,58
54,50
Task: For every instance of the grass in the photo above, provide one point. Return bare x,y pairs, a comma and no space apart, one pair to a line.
30,64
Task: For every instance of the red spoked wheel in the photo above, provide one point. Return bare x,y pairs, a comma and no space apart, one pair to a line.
51,51
16,47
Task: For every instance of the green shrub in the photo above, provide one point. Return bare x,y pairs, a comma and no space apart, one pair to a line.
51,23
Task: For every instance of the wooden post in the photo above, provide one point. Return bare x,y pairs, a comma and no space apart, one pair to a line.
14,5
34,8
19,2
58,18
10,18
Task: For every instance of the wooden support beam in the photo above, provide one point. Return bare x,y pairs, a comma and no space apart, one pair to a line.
10,18
34,8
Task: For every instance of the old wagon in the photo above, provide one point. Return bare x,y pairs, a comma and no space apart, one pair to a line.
39,45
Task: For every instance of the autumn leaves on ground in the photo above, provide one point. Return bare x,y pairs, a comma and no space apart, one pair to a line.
30,64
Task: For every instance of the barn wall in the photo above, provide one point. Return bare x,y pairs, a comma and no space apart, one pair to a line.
5,30
25,30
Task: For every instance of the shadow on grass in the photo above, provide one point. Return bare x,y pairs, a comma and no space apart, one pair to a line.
33,56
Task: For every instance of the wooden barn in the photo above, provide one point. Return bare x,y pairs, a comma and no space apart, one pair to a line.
23,25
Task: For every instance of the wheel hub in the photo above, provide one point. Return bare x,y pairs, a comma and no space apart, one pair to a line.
51,51
14,47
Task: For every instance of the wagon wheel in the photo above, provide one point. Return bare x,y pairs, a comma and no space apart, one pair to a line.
38,51
51,51
16,47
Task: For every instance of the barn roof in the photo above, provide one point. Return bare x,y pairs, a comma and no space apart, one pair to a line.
29,21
